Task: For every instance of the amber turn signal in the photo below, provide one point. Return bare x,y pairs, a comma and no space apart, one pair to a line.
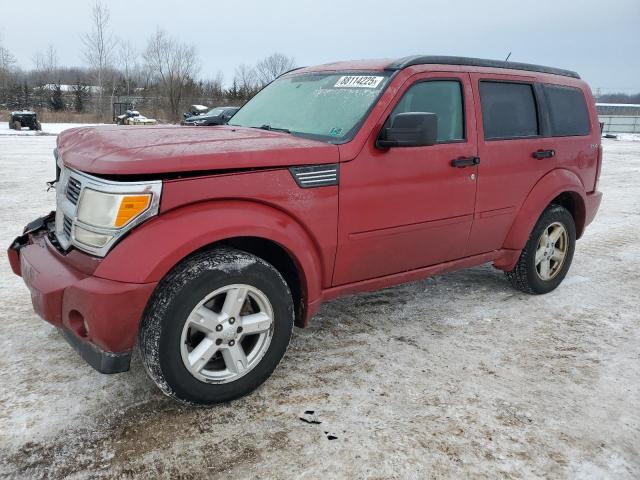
130,207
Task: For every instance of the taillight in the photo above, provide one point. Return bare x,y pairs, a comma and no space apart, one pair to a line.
598,168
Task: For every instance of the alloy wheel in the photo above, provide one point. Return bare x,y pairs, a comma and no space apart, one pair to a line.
551,251
226,335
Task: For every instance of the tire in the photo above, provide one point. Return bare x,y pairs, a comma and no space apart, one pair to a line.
38,126
538,277
17,125
171,327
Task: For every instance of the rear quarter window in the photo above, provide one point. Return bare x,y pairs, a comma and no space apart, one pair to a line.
508,110
568,113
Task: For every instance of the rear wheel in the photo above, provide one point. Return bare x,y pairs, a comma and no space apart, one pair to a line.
547,256
17,125
216,327
38,126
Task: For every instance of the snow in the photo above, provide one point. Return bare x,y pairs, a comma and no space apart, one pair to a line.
627,137
457,376
47,129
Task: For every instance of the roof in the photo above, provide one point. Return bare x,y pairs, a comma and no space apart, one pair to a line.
405,62
475,62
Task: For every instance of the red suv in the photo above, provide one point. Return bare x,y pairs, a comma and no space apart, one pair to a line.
205,246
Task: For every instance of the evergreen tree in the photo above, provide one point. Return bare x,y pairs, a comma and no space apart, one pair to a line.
56,102
79,96
26,95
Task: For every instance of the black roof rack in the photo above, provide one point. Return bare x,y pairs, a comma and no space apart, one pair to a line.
475,62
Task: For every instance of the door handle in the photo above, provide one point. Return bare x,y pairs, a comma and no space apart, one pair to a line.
465,162
540,154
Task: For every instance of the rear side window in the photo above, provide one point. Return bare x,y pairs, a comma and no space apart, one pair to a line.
568,112
442,97
508,110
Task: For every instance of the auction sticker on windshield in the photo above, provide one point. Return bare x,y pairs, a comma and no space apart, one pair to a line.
358,81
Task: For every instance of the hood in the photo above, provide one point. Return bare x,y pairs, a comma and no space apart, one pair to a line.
113,150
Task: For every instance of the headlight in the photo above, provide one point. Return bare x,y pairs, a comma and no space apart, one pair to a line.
93,239
93,213
109,210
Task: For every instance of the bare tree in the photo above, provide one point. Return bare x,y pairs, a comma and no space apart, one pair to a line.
128,57
246,81
213,88
271,67
98,47
7,65
45,64
173,65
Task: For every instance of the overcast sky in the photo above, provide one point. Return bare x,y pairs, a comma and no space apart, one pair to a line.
599,39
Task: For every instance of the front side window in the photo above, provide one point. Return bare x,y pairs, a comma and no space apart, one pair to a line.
567,110
442,97
326,106
508,110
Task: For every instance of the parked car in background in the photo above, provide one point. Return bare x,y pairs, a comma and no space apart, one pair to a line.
215,116
206,248
133,117
195,110
24,118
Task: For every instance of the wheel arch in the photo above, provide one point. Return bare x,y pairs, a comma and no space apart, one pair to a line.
561,187
255,228
283,261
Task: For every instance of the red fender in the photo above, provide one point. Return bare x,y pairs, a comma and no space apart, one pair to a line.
141,258
548,187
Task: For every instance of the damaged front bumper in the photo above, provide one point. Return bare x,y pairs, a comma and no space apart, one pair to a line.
97,316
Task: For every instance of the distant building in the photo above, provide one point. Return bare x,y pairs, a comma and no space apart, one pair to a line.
67,88
619,117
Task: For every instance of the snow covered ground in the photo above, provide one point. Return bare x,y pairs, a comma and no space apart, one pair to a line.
628,137
47,129
450,377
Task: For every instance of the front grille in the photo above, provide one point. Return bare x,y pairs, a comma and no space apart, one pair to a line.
73,190
66,226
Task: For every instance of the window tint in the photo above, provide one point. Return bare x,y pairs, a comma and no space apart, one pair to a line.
567,110
442,97
508,110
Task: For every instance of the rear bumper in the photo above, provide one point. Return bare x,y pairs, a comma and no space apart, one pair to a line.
97,316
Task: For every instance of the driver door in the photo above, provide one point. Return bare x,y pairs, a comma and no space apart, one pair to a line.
404,208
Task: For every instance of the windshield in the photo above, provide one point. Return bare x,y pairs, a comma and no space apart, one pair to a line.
214,112
327,106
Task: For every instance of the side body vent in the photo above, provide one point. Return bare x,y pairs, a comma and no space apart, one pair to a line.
316,175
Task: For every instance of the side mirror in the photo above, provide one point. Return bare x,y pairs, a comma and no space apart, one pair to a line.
411,129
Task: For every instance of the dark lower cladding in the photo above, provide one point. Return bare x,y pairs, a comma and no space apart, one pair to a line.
104,362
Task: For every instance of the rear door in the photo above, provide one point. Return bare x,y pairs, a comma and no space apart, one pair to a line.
406,208
510,138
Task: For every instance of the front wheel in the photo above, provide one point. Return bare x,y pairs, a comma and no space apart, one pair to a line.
17,125
216,327
547,256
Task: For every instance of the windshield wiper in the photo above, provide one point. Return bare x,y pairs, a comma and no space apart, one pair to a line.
274,129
